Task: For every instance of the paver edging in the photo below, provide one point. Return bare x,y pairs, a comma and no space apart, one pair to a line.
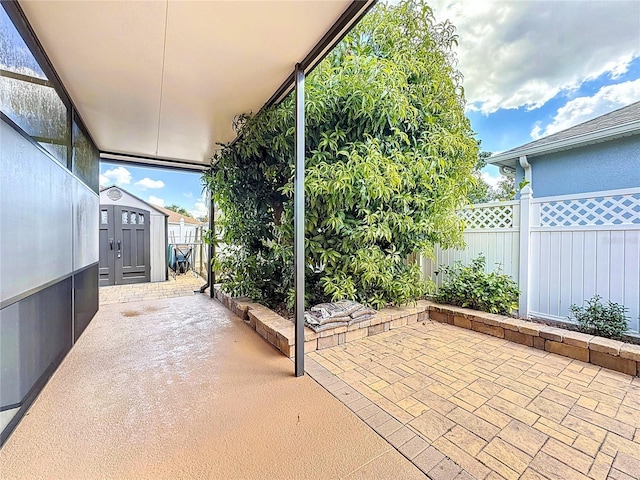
280,333
604,352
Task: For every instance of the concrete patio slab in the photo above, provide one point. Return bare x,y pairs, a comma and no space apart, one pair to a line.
184,389
489,407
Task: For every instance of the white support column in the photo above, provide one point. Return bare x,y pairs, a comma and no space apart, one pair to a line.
526,195
298,242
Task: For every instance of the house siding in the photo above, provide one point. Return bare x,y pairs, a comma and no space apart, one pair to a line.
604,166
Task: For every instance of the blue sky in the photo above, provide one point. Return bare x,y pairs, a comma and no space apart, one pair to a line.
508,128
531,68
157,185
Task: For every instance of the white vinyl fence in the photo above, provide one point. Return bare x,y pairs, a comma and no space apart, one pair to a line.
571,248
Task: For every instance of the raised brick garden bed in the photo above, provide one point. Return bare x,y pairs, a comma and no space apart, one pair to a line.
279,332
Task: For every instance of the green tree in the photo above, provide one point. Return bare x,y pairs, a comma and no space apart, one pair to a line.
506,189
390,156
179,210
480,191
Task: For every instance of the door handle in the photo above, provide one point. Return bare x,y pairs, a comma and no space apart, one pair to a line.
111,243
119,248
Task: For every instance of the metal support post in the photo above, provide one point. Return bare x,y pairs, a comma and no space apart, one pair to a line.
298,247
211,276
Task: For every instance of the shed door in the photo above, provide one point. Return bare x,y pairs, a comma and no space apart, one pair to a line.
124,245
132,262
107,246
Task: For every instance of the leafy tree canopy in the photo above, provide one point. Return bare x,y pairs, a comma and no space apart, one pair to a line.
389,159
179,210
482,192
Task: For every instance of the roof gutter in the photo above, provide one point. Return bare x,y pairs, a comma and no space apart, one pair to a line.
627,129
145,161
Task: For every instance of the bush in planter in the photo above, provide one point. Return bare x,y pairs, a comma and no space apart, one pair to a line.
471,287
599,319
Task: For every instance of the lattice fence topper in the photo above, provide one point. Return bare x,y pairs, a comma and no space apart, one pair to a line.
498,216
607,210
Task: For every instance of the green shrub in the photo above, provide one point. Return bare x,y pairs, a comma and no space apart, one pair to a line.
471,287
599,319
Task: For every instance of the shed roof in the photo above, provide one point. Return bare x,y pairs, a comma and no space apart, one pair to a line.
175,217
622,122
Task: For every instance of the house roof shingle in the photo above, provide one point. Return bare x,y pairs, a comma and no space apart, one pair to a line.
175,217
622,122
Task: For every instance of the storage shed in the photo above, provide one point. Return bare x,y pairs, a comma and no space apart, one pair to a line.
133,239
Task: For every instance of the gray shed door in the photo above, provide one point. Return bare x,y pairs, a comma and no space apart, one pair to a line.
124,245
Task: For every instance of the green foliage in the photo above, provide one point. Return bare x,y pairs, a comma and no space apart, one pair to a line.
389,157
523,183
505,190
471,287
598,319
482,192
179,210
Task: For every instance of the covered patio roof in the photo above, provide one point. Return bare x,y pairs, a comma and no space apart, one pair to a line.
160,82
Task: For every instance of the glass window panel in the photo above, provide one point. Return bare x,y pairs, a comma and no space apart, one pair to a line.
133,219
125,218
141,219
104,217
26,95
15,56
86,159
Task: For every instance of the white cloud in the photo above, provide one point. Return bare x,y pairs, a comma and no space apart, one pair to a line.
537,131
523,53
104,181
200,208
148,183
582,109
156,201
118,175
490,179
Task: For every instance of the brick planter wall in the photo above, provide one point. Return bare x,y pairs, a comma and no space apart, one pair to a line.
279,332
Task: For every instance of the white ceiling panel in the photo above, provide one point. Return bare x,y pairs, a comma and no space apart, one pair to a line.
164,79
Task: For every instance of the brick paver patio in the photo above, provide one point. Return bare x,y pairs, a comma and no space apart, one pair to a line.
182,285
461,404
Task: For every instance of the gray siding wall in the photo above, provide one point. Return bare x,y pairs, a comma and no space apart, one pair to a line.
604,166
48,268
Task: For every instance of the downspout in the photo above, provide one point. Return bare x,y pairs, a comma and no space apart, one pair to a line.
524,163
